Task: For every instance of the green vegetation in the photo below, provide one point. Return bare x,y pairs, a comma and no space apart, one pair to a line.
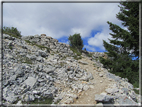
40,46
62,64
10,47
89,54
42,101
22,59
125,44
78,53
94,64
76,43
136,91
26,60
12,32
77,57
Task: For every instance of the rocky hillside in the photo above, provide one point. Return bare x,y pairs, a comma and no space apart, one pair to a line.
40,70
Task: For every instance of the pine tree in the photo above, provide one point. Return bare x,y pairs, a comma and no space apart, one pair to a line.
125,44
75,41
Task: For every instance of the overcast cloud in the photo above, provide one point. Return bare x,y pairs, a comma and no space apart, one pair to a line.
62,19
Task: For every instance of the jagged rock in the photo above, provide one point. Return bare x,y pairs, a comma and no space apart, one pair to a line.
11,98
101,75
125,100
112,90
39,68
32,57
49,70
74,96
125,90
69,100
40,59
86,87
104,98
42,53
82,62
30,81
5,36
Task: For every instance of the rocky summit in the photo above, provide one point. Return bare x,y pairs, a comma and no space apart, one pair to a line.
40,70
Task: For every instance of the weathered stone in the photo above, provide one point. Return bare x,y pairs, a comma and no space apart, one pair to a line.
69,100
86,87
30,81
125,100
83,62
80,86
31,98
125,90
74,96
49,70
104,98
101,75
42,53
11,98
43,35
112,90
40,59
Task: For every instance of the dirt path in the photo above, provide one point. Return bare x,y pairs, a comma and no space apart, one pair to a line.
99,86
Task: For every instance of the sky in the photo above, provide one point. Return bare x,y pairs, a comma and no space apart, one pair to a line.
60,20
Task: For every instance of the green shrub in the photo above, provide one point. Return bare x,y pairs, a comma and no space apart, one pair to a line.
42,101
77,57
90,55
76,42
75,51
12,32
10,47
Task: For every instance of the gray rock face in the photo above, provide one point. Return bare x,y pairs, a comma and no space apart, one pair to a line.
125,100
30,81
104,98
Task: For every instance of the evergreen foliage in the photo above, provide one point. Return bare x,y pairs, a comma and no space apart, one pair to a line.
76,42
12,32
125,44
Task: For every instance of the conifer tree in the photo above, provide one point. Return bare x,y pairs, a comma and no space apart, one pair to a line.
75,41
125,44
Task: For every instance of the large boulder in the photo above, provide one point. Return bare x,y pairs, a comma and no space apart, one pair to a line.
30,81
42,53
104,98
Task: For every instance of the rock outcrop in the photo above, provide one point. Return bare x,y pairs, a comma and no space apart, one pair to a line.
31,72
51,43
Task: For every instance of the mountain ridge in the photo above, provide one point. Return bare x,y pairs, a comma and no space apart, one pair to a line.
39,67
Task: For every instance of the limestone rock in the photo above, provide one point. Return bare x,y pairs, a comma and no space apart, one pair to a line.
83,62
30,81
104,98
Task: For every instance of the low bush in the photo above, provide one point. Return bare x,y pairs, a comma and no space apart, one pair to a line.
12,32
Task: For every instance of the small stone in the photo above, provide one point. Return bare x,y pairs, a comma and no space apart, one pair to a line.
86,87
110,79
91,86
99,105
101,81
101,75
83,62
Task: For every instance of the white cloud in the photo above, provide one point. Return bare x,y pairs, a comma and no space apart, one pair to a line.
98,38
59,19
89,48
